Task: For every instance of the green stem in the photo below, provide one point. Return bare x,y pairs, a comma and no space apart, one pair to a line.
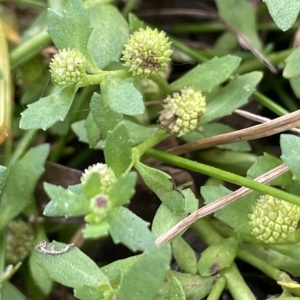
130,4
236,285
259,263
76,106
270,104
220,174
234,281
187,50
29,49
255,64
151,142
218,287
97,78
162,83
22,146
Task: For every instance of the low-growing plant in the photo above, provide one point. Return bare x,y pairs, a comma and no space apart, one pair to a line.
107,69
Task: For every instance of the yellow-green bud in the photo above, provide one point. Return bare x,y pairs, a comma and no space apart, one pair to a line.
273,220
147,52
182,111
106,174
68,67
19,241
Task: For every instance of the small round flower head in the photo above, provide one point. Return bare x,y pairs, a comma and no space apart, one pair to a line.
273,219
19,241
182,111
100,206
68,67
106,174
147,52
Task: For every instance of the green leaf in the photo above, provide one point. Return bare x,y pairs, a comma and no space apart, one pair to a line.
121,96
292,68
266,163
94,231
232,96
162,185
11,292
194,286
184,255
217,256
47,111
212,129
165,219
66,201
115,270
123,189
39,276
73,269
139,133
135,23
20,183
240,15
2,177
176,291
153,262
67,32
92,186
117,150
289,145
92,131
234,214
129,229
283,12
110,33
295,85
206,76
87,292
105,118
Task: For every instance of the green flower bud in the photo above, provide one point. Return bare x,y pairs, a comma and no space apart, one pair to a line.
147,52
19,241
273,220
107,176
182,111
68,67
100,206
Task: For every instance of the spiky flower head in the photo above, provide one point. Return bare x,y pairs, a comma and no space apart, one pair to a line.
147,52
68,67
19,241
182,111
106,174
273,220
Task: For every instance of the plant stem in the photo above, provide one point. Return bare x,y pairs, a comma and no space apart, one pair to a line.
236,285
151,142
220,174
29,49
97,78
270,104
218,287
162,83
22,146
256,64
130,4
234,281
259,264
77,104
